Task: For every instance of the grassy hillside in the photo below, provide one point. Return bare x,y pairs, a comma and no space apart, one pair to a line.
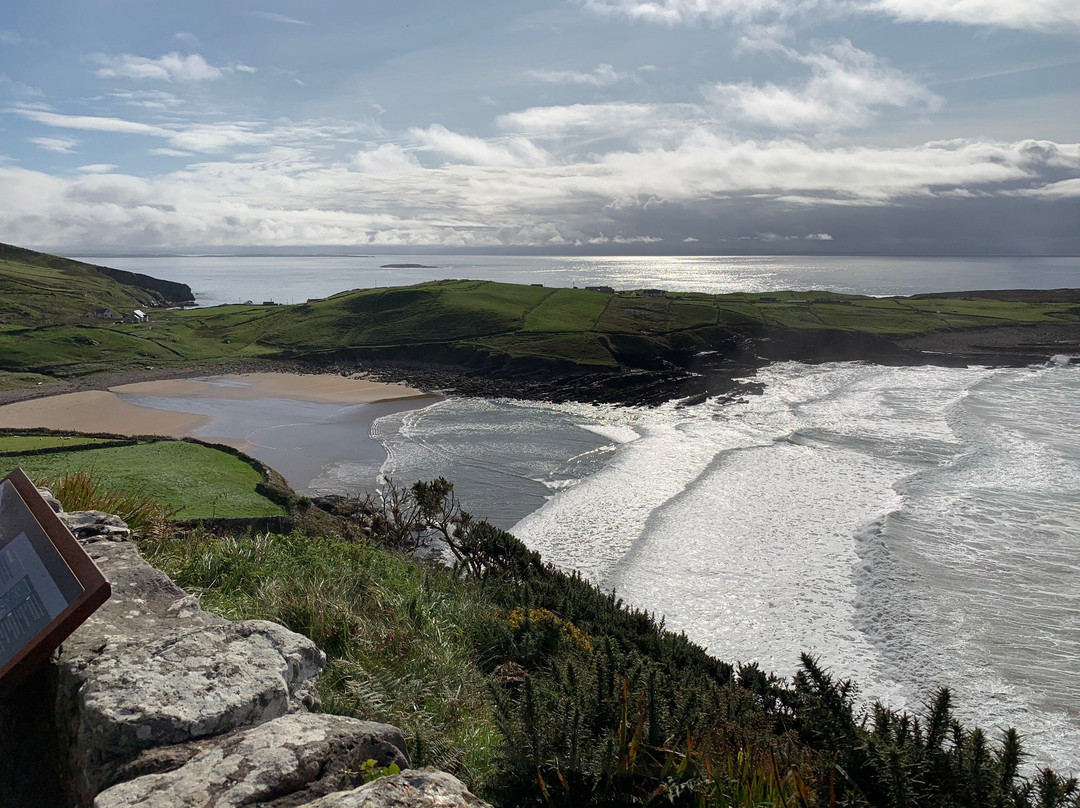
465,323
40,289
603,330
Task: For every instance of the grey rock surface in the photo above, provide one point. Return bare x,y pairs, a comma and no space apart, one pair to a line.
286,762
151,668
52,501
417,788
95,525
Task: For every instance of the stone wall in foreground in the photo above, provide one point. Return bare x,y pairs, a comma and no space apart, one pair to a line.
155,702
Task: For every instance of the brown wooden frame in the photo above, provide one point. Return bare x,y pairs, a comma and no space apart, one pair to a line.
96,590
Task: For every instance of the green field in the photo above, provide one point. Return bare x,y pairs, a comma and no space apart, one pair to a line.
476,323
26,443
190,481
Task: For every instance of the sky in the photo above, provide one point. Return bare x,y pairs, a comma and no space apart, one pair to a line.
934,127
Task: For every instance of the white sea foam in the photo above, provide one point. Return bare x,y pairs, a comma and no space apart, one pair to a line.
912,527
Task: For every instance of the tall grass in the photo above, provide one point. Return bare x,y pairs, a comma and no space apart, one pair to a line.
397,634
83,491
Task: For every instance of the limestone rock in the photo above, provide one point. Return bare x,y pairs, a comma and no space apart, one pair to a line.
150,669
286,762
95,525
417,788
52,501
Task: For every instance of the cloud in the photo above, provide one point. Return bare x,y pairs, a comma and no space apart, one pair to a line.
602,239
602,76
170,67
10,38
92,123
482,194
1045,15
389,158
846,88
1065,189
271,16
97,168
465,149
183,138
62,145
17,88
155,100
611,117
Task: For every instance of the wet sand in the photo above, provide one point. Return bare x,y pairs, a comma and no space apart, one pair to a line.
314,429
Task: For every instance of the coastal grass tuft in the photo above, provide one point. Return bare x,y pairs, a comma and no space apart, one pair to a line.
83,491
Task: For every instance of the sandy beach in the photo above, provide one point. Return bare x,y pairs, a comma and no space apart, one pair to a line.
108,411
318,389
314,429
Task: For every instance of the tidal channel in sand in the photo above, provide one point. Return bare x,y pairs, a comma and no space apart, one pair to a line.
313,429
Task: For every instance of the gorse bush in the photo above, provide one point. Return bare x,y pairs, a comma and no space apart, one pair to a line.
539,689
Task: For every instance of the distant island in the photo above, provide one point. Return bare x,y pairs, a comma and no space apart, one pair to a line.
407,266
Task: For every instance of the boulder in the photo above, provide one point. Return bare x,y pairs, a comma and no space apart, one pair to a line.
417,788
151,668
95,525
289,761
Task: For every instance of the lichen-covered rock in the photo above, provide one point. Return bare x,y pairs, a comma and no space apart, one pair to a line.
95,525
417,788
151,668
286,762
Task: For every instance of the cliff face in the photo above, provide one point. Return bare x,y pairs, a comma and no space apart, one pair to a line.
155,702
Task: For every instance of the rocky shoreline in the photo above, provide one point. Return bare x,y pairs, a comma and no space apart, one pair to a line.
728,371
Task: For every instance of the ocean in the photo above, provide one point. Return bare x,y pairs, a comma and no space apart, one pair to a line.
223,279
911,527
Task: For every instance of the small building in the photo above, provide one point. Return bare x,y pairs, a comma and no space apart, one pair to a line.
269,303
653,293
140,315
101,314
605,289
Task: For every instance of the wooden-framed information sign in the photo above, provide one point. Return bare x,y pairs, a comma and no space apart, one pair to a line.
48,584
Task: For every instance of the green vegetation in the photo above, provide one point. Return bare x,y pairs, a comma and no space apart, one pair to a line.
40,289
538,689
16,381
13,444
473,323
83,491
187,480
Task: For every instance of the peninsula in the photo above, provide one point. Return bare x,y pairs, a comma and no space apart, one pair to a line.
488,338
